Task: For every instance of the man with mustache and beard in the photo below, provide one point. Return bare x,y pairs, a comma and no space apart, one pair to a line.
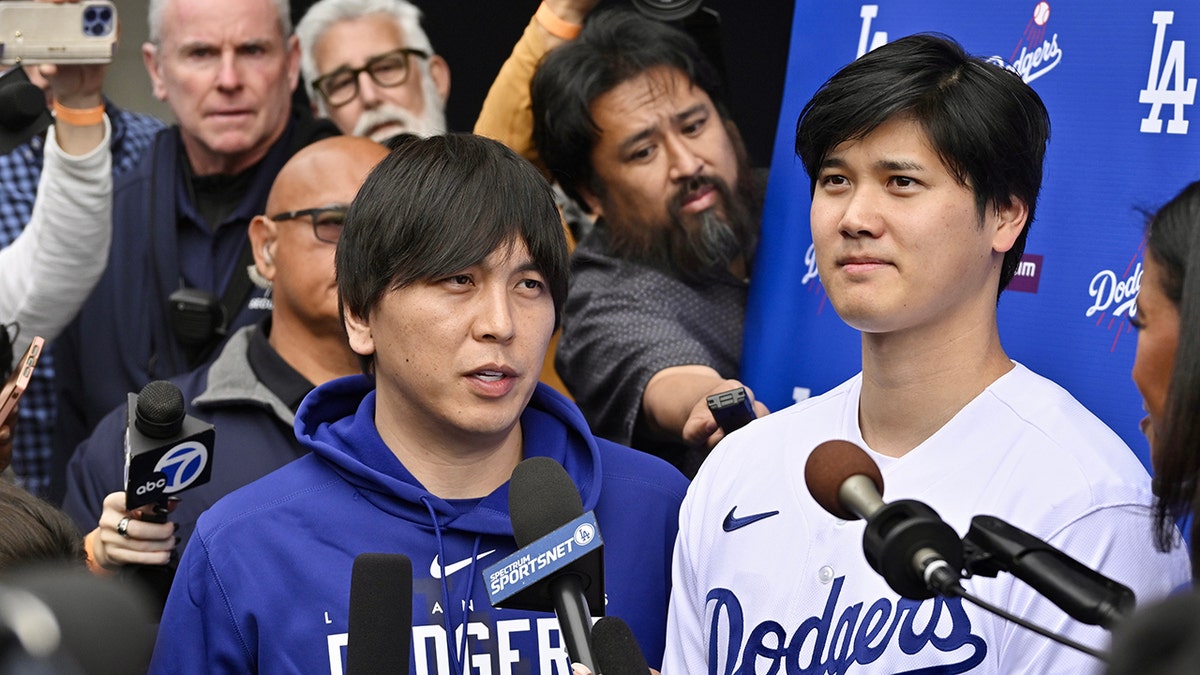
370,68
628,119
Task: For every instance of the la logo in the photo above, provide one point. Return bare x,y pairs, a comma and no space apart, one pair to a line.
1170,88
867,41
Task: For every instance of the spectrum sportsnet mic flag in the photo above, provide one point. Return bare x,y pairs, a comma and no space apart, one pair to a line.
1119,80
508,578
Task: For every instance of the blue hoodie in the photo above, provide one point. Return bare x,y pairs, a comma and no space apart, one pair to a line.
265,584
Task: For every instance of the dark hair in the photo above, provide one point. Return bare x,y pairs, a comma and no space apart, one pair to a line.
437,205
988,127
34,531
614,47
1173,240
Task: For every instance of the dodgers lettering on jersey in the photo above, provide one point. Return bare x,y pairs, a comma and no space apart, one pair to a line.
498,641
505,647
840,637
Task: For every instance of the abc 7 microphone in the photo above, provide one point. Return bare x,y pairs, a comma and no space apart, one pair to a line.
166,452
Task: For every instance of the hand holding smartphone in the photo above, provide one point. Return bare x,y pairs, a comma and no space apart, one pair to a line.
19,379
66,33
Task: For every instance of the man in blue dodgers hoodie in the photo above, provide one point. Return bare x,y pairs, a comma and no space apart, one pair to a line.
452,273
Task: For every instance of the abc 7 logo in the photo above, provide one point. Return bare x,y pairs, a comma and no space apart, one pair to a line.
182,465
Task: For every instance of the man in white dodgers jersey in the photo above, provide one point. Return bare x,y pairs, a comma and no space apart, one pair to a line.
925,166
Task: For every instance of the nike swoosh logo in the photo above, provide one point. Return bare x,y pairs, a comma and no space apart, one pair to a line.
435,570
733,523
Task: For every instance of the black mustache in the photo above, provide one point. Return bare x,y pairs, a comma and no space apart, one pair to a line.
693,184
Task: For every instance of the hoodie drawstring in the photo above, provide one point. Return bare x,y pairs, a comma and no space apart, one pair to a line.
462,648
458,659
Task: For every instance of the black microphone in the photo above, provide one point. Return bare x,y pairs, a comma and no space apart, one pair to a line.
380,628
541,499
993,545
20,105
23,111
617,650
63,620
906,541
166,450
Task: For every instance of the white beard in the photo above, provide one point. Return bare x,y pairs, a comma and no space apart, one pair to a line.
431,122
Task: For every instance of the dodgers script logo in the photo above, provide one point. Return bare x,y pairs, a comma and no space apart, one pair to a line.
825,644
1112,292
1114,297
182,465
810,264
1035,55
811,281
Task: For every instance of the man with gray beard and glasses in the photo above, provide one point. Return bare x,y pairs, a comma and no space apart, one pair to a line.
370,68
628,119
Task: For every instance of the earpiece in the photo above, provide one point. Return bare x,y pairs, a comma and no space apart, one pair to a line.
266,252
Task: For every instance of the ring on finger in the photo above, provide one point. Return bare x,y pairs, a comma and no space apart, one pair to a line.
123,527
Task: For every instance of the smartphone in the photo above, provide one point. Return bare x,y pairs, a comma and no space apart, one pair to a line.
69,33
19,379
732,409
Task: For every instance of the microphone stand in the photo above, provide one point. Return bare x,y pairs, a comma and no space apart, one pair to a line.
993,546
920,556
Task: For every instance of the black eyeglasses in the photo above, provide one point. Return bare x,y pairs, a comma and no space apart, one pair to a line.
327,221
386,70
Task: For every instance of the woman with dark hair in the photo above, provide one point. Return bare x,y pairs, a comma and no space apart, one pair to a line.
1168,308
33,531
55,615
1163,639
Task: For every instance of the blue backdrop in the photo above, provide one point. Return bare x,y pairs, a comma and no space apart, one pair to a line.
1119,80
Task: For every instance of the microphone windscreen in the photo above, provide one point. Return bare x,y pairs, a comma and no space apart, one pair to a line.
106,624
617,651
829,465
20,105
380,626
160,410
541,499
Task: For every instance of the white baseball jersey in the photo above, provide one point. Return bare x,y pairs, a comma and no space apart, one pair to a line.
765,580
